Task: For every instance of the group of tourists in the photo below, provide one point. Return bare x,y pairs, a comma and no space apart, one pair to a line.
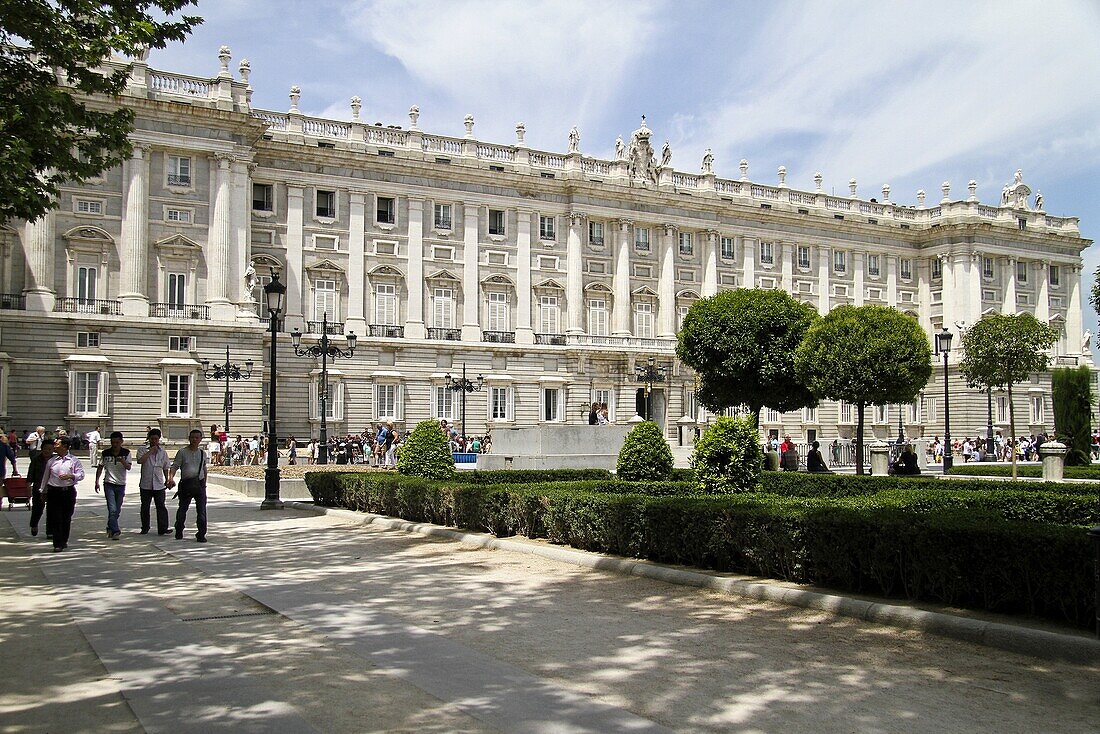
224,450
598,415
1026,448
459,443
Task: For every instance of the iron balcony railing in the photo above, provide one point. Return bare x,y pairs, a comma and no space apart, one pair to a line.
387,332
441,334
175,179
13,301
499,337
179,311
335,328
88,305
555,339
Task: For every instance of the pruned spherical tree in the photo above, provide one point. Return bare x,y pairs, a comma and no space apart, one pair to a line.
865,355
741,343
1001,350
1071,389
425,453
645,455
727,457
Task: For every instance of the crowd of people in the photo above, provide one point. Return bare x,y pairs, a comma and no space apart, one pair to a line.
977,449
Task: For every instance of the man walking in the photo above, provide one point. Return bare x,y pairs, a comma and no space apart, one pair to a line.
190,462
35,472
154,481
115,462
62,473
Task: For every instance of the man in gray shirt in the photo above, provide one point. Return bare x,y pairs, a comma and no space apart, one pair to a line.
190,462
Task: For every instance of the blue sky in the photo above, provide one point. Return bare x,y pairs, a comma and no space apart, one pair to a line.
909,94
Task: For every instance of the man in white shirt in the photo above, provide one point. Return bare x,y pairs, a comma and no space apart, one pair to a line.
93,438
155,465
62,473
190,462
34,441
114,463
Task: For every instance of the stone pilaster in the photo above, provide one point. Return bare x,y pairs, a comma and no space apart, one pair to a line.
786,252
38,242
859,265
824,266
574,265
710,263
620,282
892,281
1008,305
924,292
218,246
242,236
134,266
974,288
524,333
747,248
471,290
947,291
1042,300
666,286
1074,333
295,314
414,322
357,220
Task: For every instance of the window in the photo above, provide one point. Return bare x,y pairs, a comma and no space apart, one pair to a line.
498,312
86,393
914,413
605,396
882,414
181,344
551,404
443,308
840,261
937,268
906,268
803,256
500,403
809,415
1002,409
547,263
681,314
546,228
595,233
87,339
873,265
1055,275
930,406
641,239
88,206
324,300
179,171
326,204
987,267
443,253
442,216
772,416
548,315
989,295
86,278
496,222
643,320
496,258
597,266
177,290
386,211
1038,416
326,242
387,401
179,396
643,271
385,304
443,403
597,317
846,414
687,247
263,197
334,400
183,216
1021,271
767,252
727,248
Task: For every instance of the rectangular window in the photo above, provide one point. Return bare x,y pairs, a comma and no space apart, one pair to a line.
1002,409
846,414
181,344
1038,415
183,216
809,415
551,404
442,216
324,300
179,395
930,409
179,170
385,401
937,268
641,239
1055,275
263,197
443,403
498,312
86,393
324,242
840,261
385,304
882,414
727,248
86,278
681,314
687,246
873,265
89,206
500,403
547,230
177,290
605,397
386,210
803,256
914,413
326,204
547,263
597,317
906,268
767,252
548,315
772,416
443,308
87,339
643,320
496,222
1021,271
987,268
595,233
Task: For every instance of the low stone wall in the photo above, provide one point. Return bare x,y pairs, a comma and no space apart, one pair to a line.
289,489
555,447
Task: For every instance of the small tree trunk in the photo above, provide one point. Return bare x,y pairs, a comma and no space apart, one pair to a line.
754,410
1012,430
859,438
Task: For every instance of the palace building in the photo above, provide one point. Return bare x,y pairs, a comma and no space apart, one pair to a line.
552,275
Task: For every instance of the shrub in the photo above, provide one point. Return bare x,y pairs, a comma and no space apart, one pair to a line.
645,455
727,457
1071,388
1005,470
425,453
533,476
799,484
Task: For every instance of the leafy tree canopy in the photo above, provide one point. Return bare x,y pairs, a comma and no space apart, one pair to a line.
48,134
1001,350
742,343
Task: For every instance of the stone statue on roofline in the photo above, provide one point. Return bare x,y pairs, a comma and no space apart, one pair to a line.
1016,194
1038,201
640,156
708,161
1086,341
620,149
666,154
574,140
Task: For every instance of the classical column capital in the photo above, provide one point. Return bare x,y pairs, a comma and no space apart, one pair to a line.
623,224
711,233
224,160
670,229
141,151
576,218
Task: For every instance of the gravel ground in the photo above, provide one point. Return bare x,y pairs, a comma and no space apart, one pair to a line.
290,472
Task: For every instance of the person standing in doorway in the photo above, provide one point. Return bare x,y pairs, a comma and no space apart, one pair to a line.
62,473
114,462
190,462
35,472
154,481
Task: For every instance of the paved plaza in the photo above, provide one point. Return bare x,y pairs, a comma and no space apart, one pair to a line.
294,622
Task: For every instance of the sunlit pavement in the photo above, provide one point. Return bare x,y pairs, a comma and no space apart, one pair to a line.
287,621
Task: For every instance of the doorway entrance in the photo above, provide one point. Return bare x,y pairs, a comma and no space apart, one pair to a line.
652,409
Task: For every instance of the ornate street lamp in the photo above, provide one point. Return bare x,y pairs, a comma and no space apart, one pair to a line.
274,292
325,351
462,385
650,374
943,346
227,372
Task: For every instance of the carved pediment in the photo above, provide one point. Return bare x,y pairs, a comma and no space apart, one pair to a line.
178,243
385,271
444,275
87,233
550,284
598,287
645,290
324,266
498,279
688,294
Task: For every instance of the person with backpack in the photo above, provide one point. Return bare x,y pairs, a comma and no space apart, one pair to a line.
114,463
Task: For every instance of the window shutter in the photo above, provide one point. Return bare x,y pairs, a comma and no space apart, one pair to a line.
104,386
314,400
339,401
72,392
511,404
399,409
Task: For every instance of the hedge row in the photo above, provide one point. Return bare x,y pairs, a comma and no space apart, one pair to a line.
800,484
531,476
1030,470
951,555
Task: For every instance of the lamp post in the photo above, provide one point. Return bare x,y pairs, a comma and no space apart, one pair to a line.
990,444
462,385
649,373
943,346
324,350
227,372
274,293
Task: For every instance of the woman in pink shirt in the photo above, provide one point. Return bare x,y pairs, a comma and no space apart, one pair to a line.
59,479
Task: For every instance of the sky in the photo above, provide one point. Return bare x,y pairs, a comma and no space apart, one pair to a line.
905,94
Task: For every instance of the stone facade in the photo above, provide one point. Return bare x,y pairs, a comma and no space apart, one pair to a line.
549,274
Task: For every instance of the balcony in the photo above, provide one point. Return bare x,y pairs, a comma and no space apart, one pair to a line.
447,335
622,342
1063,360
87,305
499,337
179,311
175,179
554,339
387,332
13,301
335,328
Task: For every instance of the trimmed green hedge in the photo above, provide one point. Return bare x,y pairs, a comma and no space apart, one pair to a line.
956,554
801,484
1005,470
531,476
